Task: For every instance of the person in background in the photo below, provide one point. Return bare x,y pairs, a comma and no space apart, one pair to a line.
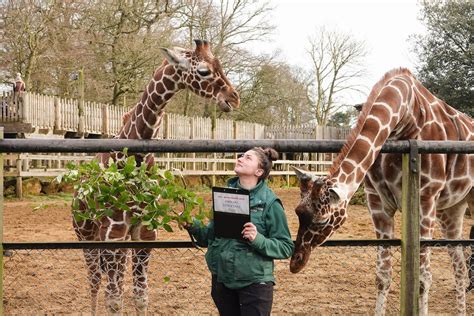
19,85
242,270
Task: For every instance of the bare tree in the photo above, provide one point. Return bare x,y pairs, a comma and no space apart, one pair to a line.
275,96
25,32
336,64
125,36
115,42
229,25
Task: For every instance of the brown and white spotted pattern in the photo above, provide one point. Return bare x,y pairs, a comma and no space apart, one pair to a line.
398,108
198,71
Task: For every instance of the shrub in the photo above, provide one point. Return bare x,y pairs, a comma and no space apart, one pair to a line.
359,197
149,193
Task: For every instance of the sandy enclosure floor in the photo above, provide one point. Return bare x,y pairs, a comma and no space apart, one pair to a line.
337,280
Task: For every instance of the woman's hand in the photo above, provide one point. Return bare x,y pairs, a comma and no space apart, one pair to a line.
186,225
249,232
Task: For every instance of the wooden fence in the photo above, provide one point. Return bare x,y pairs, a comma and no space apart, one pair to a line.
51,165
49,114
306,131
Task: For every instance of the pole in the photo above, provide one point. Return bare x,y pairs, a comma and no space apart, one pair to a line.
214,136
410,276
81,127
1,226
205,145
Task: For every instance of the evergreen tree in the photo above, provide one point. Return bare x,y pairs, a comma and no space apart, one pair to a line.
446,52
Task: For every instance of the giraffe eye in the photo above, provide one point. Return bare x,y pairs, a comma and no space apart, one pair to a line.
203,72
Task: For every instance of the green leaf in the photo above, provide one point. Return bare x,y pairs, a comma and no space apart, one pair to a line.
168,175
123,184
168,228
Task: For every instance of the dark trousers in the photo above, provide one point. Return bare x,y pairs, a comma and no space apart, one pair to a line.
255,299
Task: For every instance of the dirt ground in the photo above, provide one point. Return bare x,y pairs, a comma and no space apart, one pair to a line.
337,280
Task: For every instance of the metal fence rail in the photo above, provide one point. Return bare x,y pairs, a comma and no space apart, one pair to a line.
218,146
337,280
348,264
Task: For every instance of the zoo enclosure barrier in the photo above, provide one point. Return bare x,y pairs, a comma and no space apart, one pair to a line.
50,278
45,114
410,243
35,115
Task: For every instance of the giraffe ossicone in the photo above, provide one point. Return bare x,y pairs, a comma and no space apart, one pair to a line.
399,107
197,70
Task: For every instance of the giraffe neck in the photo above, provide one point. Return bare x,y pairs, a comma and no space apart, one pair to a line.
146,118
389,112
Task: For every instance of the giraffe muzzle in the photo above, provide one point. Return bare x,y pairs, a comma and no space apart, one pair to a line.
299,259
227,106
228,101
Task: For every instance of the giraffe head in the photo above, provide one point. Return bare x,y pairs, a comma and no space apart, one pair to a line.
201,72
320,212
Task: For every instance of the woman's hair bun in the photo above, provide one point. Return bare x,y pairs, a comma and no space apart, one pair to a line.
271,153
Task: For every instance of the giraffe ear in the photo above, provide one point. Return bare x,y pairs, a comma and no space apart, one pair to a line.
174,57
302,174
306,179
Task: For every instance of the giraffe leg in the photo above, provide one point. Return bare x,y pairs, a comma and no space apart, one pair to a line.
86,230
451,220
470,261
113,264
426,279
92,259
383,278
140,261
427,222
382,218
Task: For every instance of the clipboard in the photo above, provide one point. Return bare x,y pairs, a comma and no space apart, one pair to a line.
231,209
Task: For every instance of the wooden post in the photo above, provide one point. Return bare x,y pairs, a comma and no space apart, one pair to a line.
81,127
57,114
214,155
20,165
410,275
1,226
105,121
166,130
22,106
191,136
235,134
213,136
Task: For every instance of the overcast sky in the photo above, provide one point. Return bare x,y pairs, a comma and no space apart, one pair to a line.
384,25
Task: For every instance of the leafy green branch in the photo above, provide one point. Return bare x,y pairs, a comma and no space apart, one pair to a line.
148,193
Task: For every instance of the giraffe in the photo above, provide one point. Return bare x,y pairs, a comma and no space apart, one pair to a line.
398,108
198,71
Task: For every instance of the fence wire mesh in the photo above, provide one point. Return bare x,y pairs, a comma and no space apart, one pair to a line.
337,280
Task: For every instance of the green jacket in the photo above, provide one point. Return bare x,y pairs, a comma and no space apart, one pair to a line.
238,263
